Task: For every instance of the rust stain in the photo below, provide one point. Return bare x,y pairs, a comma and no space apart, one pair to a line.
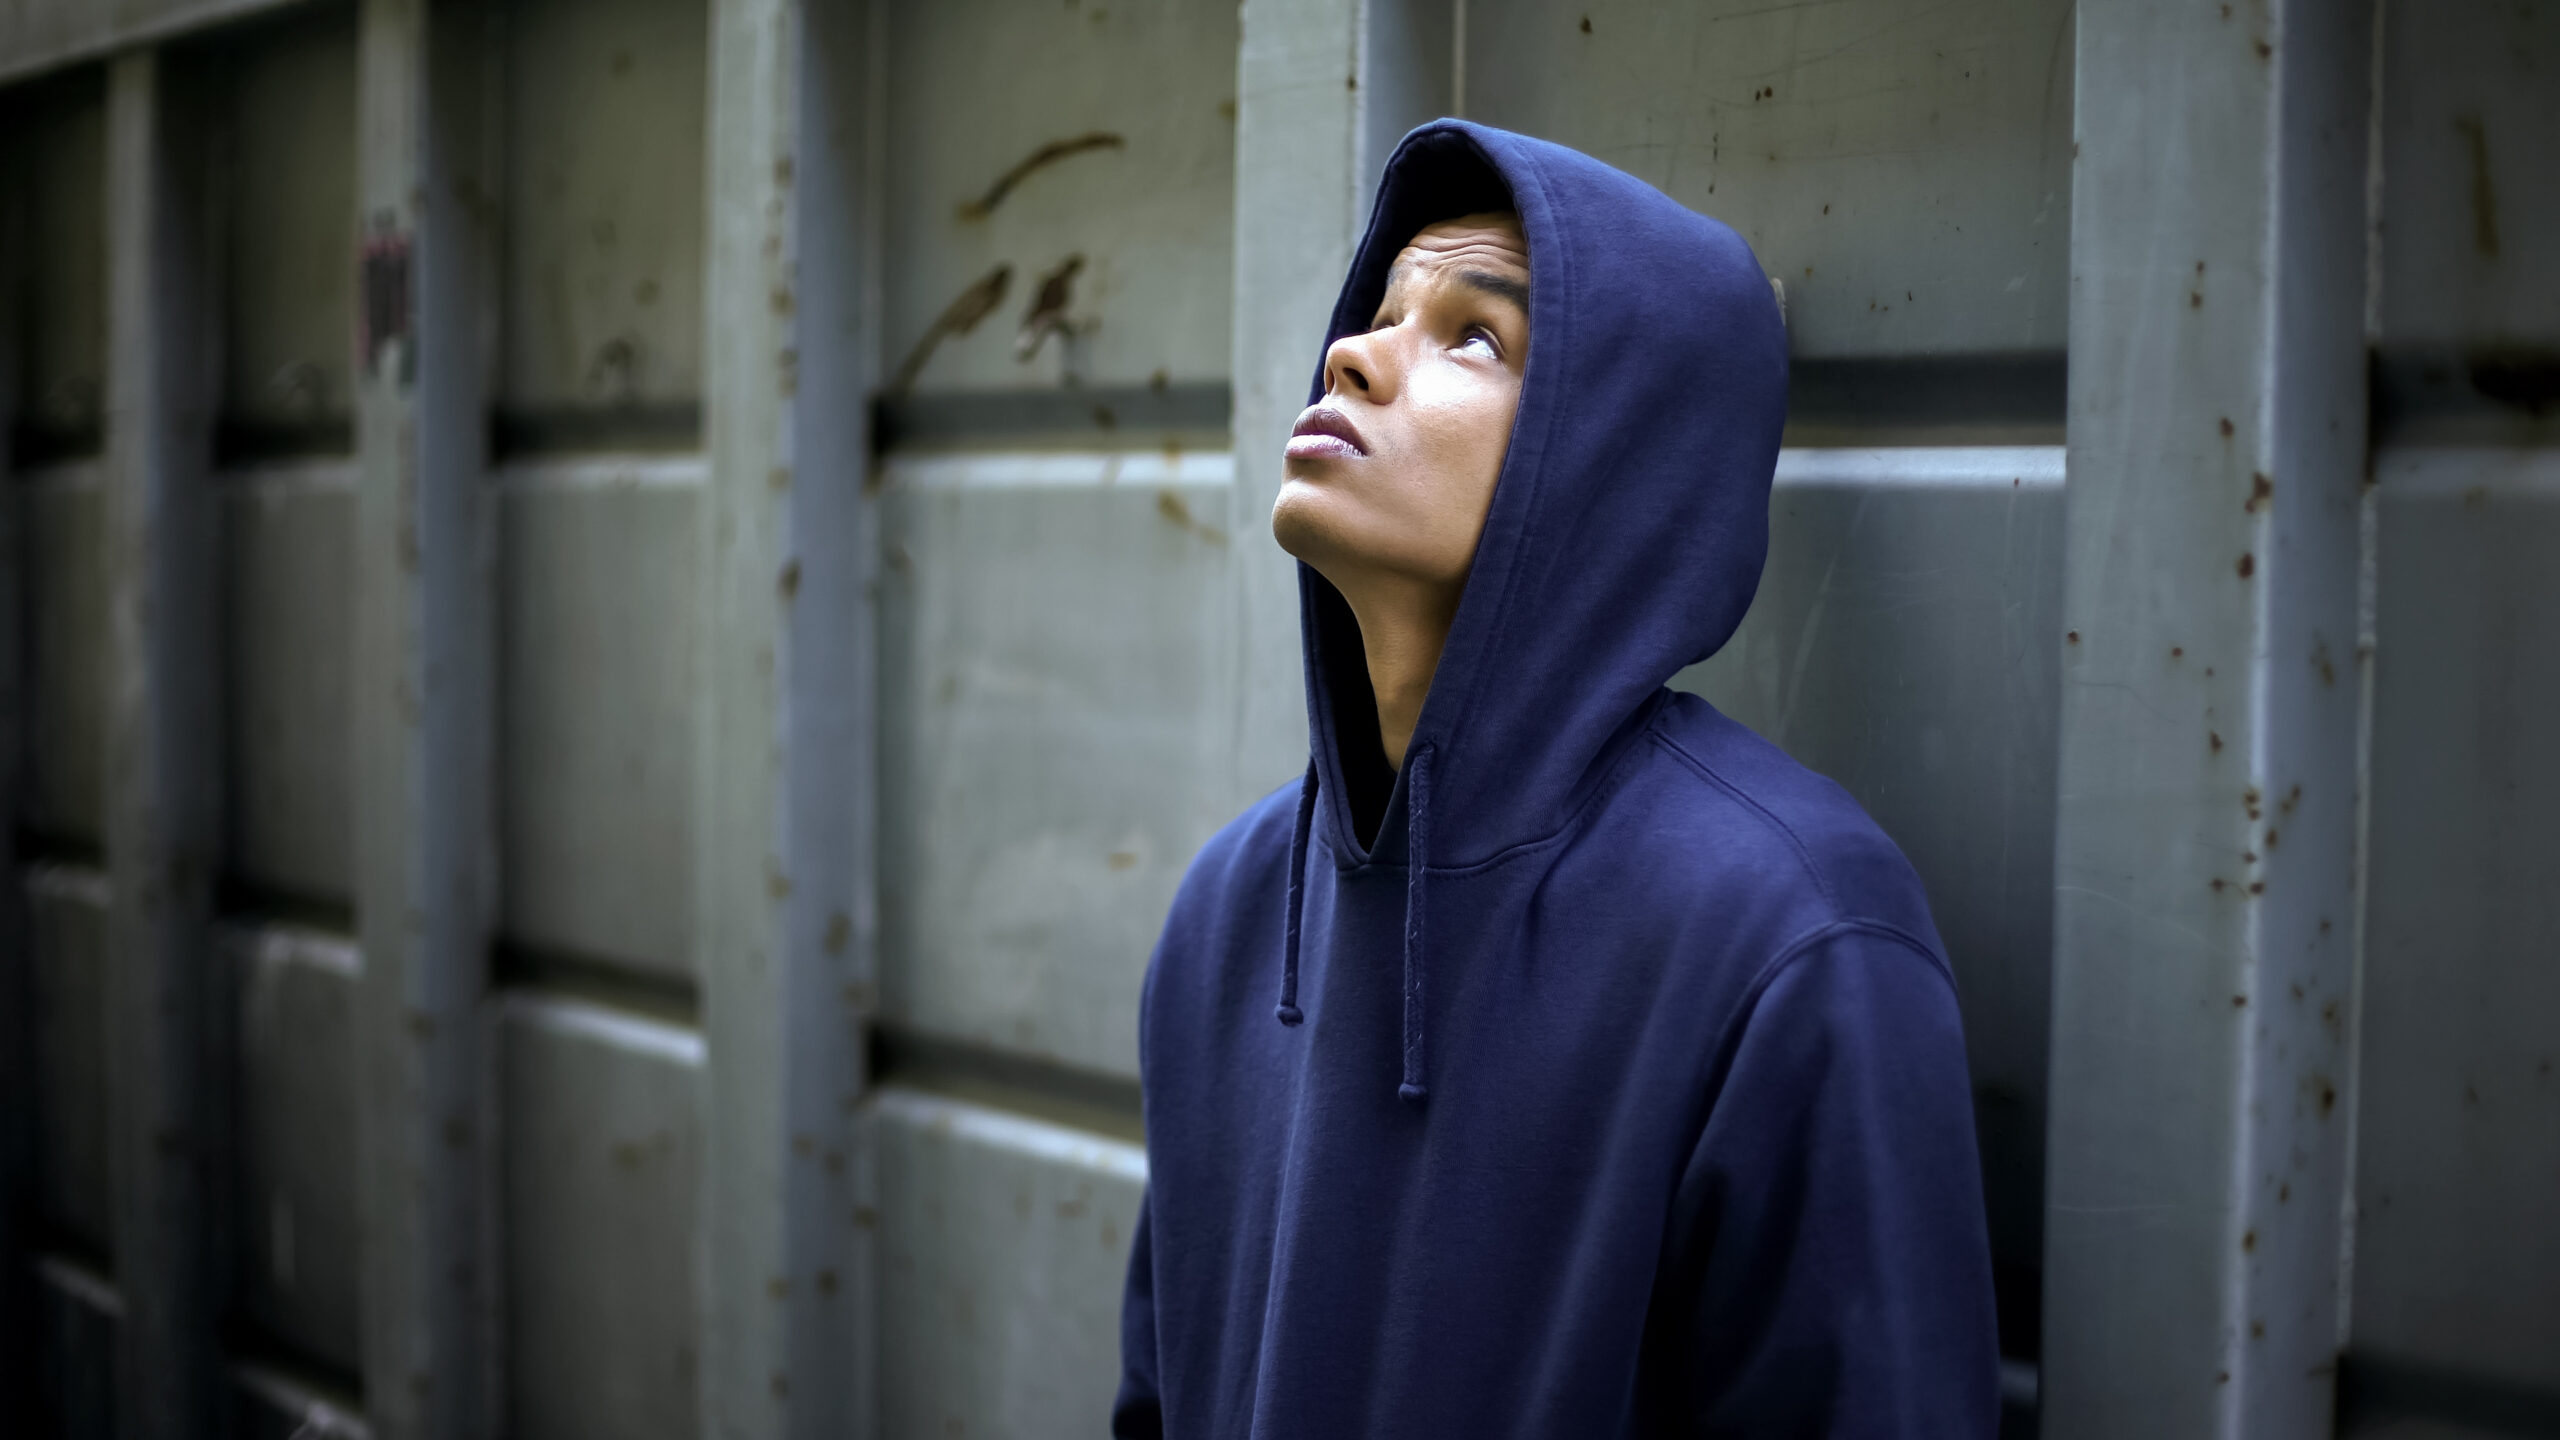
2072,636
2226,427
2249,1241
839,929
2261,491
1047,315
2177,652
1023,169
2484,191
958,318
2214,739
1172,507
789,584
1123,859
1586,24
2271,839
2248,565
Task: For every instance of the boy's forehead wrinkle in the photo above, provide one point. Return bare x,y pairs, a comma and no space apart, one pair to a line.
1459,256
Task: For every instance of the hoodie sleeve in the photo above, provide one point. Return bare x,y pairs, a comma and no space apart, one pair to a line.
1138,1412
1828,1269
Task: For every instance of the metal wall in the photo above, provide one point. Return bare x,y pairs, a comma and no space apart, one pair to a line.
737,580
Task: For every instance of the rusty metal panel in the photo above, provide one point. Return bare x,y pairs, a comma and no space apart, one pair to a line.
598,575
1901,644
1906,169
53,150
294,1137
288,612
598,1144
1089,144
1003,1243
286,170
67,945
2457,1262
601,284
62,547
1050,634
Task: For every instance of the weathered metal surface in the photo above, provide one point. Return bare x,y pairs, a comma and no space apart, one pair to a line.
1906,170
1031,138
1051,636
288,636
54,155
2205,904
425,751
1902,644
167,1145
784,866
600,1148
66,916
285,165
599,580
40,35
2470,135
61,519
296,1254
78,1316
604,202
1003,1242
2457,1263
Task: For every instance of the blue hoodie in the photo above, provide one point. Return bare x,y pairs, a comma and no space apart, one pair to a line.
1617,1087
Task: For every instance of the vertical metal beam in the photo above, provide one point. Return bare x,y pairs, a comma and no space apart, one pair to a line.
17,987
1324,90
2205,903
783,862
423,716
167,1144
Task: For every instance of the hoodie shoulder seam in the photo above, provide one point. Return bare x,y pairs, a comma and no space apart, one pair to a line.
1728,1041
1804,857
1812,939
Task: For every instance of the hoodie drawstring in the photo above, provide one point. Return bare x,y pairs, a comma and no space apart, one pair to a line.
1417,795
1288,1012
1417,778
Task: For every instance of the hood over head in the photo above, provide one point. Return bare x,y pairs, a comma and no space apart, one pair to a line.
1626,533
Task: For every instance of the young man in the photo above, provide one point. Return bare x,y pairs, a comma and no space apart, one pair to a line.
1615,1084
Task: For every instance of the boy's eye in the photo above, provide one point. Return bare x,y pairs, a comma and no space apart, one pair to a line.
1480,341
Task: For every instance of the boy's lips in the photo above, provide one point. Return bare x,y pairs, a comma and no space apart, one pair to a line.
1324,433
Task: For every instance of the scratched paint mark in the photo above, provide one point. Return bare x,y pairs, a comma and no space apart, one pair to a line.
958,318
1046,155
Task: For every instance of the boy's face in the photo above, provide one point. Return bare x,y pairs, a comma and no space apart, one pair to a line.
1389,476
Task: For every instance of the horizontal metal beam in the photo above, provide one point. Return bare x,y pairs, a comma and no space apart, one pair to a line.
41,35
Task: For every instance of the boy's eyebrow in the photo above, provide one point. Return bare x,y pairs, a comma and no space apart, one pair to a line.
1500,286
